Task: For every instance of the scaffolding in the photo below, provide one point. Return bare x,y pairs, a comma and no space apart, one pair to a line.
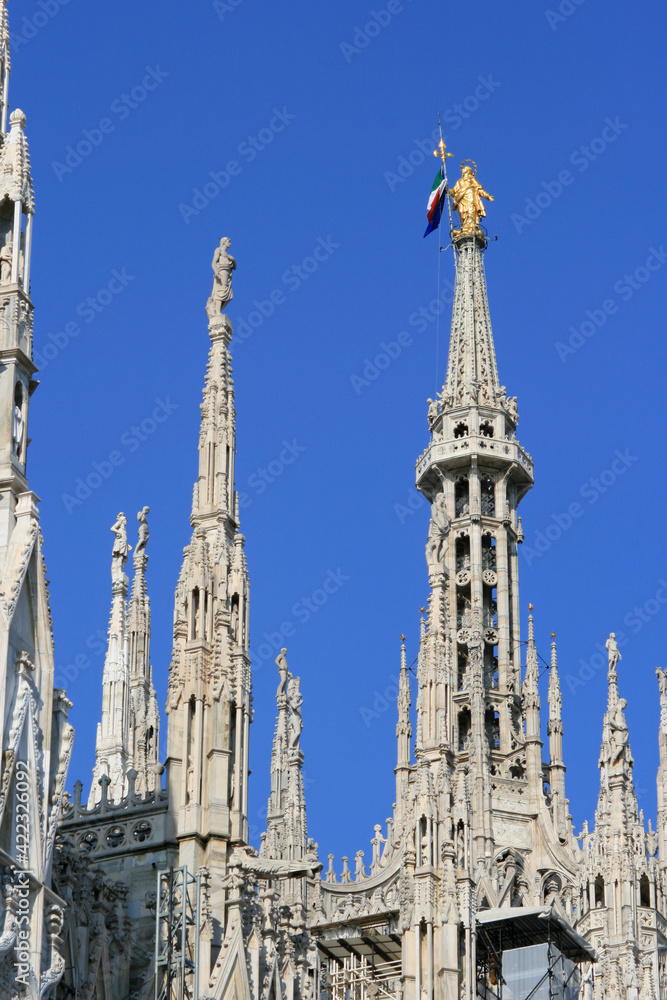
528,954
177,930
364,967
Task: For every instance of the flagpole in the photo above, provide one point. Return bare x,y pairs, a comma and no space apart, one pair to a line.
441,152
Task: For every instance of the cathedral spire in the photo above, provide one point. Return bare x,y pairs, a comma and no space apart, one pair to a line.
404,726
555,731
145,716
286,835
209,702
112,746
531,712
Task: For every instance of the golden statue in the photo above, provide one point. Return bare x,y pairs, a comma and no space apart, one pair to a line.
467,196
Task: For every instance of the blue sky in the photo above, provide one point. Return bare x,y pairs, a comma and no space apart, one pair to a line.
292,129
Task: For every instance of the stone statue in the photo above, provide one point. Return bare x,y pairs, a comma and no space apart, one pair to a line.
294,702
631,981
6,255
143,532
512,407
662,681
223,264
586,988
120,547
433,412
612,651
246,858
438,532
467,196
283,670
619,732
18,424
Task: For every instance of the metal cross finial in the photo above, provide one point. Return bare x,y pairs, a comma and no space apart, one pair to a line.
553,635
441,151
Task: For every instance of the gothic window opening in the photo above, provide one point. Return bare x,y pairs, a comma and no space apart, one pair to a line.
232,755
211,473
644,891
463,560
235,619
488,497
462,671
195,614
463,615
492,721
17,421
461,497
489,553
464,727
486,429
492,673
599,891
460,845
461,430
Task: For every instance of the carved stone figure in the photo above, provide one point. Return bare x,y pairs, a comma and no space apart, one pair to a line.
283,670
223,264
467,196
143,532
6,255
662,681
120,547
18,425
294,701
619,732
438,533
246,857
433,411
512,408
612,651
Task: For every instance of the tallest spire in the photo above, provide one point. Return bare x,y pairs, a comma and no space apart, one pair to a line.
209,703
472,373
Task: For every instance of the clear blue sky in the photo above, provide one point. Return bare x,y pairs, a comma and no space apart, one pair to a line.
323,125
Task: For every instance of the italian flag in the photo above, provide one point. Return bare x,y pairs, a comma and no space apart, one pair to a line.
435,202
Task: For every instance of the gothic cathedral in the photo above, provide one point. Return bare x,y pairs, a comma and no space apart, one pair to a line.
143,886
